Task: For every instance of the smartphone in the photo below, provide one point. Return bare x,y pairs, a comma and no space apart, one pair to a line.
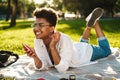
25,46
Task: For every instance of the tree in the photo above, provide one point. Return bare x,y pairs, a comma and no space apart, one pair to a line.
72,5
117,6
25,8
8,11
14,11
21,8
107,5
57,4
30,8
3,7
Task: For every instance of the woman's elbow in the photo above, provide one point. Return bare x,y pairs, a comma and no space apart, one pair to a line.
63,69
38,66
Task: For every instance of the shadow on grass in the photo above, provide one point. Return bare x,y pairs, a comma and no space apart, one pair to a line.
19,25
4,27
74,26
112,25
77,26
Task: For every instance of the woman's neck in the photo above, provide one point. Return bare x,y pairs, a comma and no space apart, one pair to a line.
47,40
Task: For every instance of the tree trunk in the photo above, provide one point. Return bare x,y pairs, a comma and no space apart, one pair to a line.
14,11
22,13
8,11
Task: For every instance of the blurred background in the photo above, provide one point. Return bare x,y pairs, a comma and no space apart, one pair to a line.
22,9
16,18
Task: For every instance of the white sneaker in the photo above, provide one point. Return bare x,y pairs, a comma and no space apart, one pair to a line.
94,16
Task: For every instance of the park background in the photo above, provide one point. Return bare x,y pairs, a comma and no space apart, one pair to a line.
16,19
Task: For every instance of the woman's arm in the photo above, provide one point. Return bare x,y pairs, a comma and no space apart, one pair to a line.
54,52
31,53
37,62
63,57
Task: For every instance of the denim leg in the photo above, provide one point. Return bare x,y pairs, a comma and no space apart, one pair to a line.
102,50
84,40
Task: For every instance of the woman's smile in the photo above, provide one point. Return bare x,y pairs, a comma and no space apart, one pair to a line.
38,33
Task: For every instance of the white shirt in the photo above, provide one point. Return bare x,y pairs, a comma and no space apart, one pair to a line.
72,54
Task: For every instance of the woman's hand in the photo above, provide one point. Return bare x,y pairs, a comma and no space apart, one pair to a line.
55,38
30,51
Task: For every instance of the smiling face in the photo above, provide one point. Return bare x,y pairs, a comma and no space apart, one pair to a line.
42,28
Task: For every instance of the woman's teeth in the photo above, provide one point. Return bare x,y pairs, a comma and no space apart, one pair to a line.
38,32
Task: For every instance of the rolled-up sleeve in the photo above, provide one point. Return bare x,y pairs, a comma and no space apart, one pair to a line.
44,67
66,49
62,66
42,54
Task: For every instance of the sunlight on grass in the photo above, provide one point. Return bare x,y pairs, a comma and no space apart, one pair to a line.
12,38
62,26
114,39
3,24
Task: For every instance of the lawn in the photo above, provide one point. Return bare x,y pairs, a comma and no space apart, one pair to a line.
12,38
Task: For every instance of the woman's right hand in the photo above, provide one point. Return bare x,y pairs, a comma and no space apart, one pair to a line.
29,51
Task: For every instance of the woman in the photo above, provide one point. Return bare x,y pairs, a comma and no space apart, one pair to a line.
53,48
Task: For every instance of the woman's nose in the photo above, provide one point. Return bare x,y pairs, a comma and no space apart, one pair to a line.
37,27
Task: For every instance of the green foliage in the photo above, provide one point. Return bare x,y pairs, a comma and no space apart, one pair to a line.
86,6
3,7
30,8
25,7
58,4
117,7
72,5
12,38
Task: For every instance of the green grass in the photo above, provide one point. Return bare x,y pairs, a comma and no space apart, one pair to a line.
12,38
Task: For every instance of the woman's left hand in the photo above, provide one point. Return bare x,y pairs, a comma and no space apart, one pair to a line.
55,38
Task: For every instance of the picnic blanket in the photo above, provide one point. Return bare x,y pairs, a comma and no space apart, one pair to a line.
99,70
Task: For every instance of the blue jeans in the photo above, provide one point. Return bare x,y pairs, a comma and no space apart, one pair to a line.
100,51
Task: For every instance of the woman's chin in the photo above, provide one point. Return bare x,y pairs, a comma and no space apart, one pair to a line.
38,37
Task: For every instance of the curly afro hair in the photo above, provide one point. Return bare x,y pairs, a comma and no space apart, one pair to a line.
48,13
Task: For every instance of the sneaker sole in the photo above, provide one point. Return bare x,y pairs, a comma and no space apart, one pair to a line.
96,14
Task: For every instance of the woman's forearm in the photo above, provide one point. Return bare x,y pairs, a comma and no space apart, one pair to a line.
55,55
37,62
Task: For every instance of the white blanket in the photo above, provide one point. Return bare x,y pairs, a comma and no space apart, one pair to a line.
104,68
